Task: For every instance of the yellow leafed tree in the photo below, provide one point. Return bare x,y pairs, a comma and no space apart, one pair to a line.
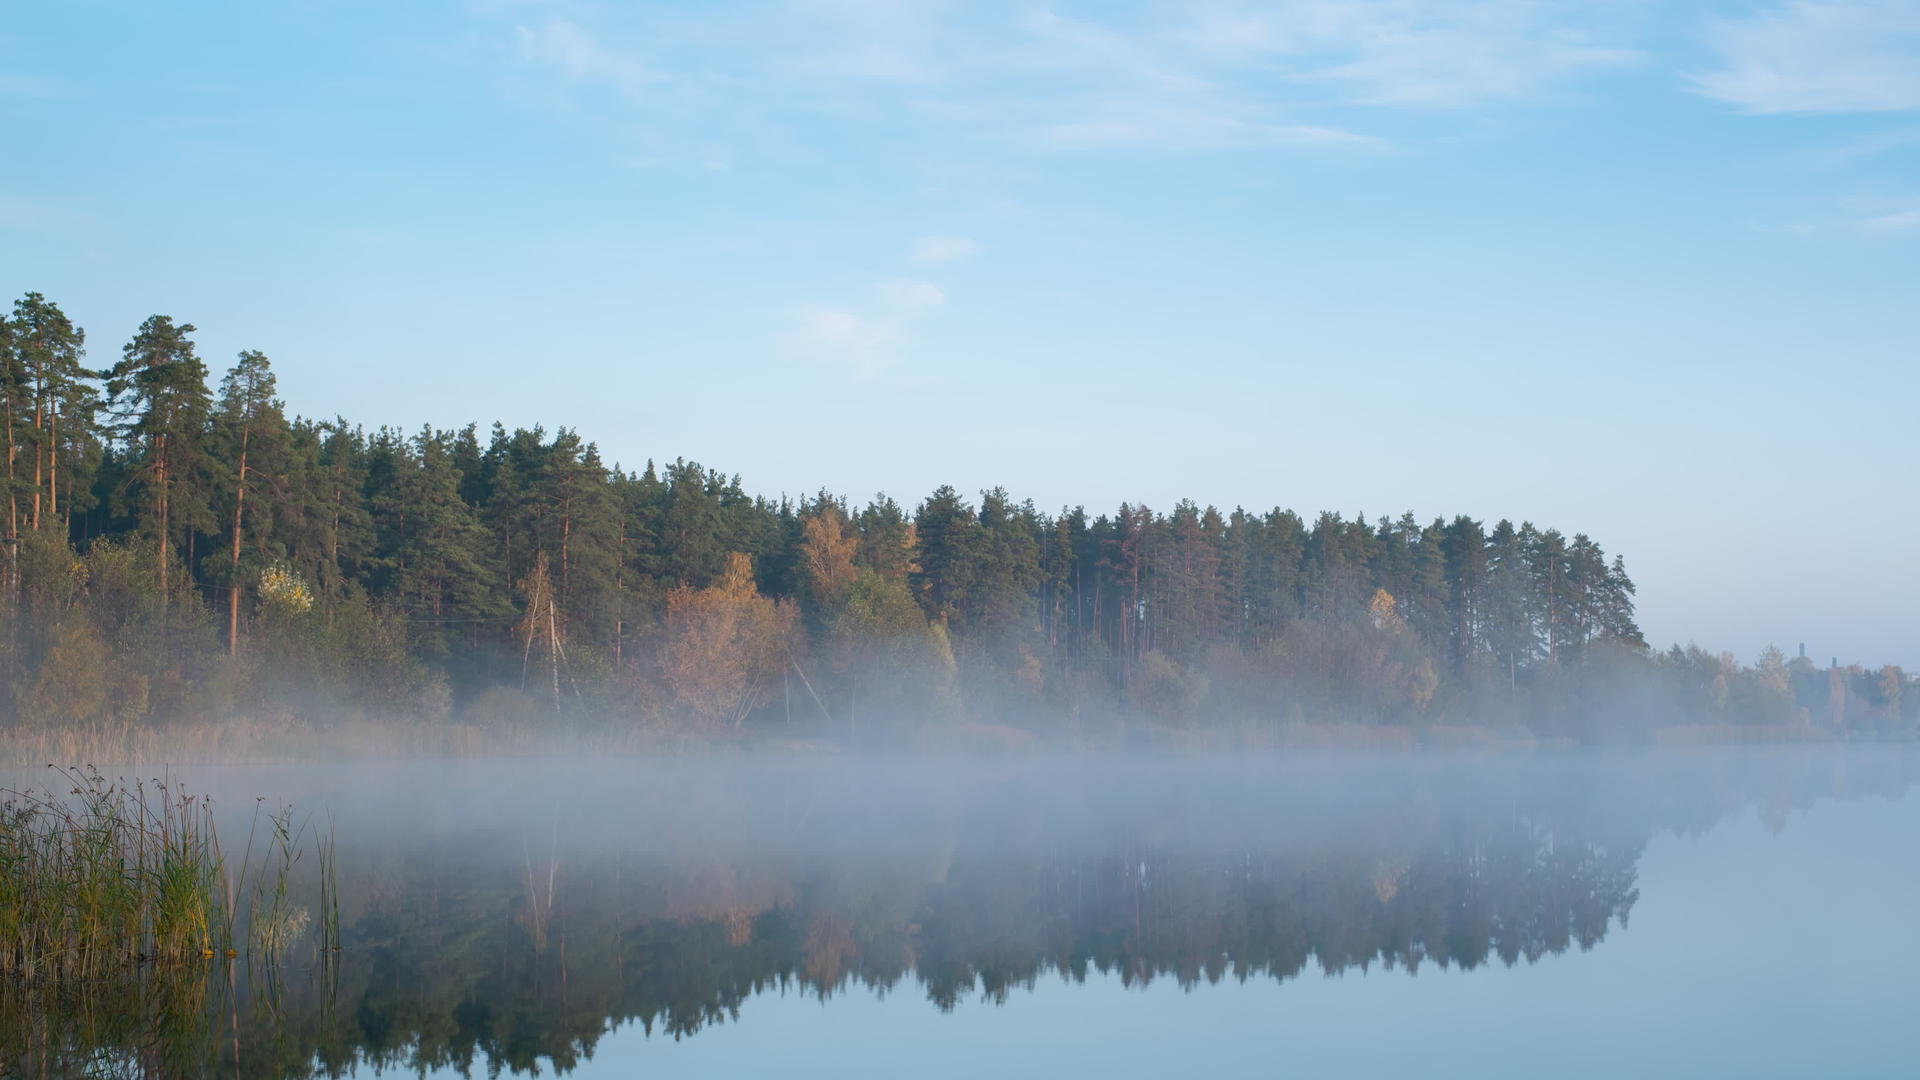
726,646
827,547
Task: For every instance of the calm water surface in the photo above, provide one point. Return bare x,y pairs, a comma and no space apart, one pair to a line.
1727,913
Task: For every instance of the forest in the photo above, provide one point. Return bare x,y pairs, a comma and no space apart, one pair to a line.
184,551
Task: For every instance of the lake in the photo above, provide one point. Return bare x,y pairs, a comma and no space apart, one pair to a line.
1737,913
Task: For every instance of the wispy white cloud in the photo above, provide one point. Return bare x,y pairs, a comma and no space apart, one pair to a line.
935,250
1864,148
564,47
1172,129
1856,216
861,342
866,340
1194,76
1457,68
1425,53
1815,56
1885,214
1896,221
909,297
886,41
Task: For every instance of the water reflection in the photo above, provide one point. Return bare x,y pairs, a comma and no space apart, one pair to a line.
504,917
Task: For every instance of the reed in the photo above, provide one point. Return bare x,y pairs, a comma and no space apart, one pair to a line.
325,855
109,875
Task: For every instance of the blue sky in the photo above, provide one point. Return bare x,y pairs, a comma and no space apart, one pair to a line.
1647,271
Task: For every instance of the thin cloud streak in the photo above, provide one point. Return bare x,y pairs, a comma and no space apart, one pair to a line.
1897,221
862,343
1818,57
1191,78
939,250
578,55
1434,54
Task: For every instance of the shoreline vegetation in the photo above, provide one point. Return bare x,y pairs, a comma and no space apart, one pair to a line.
100,877
125,921
192,573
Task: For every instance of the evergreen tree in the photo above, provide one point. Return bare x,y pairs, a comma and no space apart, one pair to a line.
1000,607
1555,602
1190,584
1465,545
691,541
250,434
13,383
886,539
1428,602
434,554
949,553
585,537
1511,632
158,393
54,403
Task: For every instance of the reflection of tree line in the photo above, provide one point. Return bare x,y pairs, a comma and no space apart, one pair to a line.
472,960
1524,892
467,985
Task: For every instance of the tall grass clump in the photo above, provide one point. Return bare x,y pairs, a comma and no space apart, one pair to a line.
110,875
329,889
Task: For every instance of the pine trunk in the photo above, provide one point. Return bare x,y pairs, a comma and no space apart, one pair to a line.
13,497
233,585
165,544
53,461
39,452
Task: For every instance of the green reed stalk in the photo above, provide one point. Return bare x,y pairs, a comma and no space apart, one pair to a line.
110,875
329,888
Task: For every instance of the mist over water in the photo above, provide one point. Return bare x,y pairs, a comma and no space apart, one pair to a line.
963,916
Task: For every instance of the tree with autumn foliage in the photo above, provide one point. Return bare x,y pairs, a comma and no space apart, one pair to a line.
891,668
725,647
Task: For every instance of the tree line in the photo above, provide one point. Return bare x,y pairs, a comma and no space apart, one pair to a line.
176,550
